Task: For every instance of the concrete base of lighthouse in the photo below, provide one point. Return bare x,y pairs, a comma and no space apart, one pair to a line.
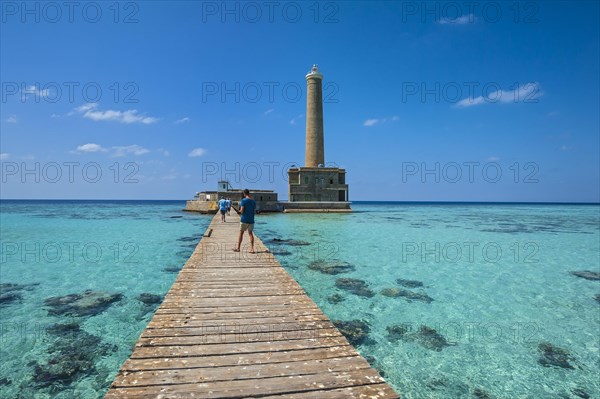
316,207
321,189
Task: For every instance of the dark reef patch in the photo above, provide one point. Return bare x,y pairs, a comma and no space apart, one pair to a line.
481,394
425,336
554,356
409,283
580,393
354,286
587,274
355,331
149,299
11,292
335,298
396,292
72,356
280,252
290,242
88,303
331,267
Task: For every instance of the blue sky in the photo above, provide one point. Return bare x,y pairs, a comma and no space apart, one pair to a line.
437,101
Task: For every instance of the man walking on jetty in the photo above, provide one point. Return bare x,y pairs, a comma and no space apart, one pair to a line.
247,208
222,208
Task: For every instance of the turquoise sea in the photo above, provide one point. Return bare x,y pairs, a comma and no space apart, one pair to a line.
445,300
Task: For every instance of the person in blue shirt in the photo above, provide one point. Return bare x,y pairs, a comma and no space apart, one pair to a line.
223,208
228,206
247,209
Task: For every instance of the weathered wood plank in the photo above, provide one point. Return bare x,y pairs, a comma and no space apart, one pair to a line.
252,387
161,363
215,349
239,372
214,335
160,321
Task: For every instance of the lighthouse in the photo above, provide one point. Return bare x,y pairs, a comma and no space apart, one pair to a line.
316,187
315,151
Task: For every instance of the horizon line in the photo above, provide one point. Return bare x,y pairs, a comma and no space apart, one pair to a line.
356,201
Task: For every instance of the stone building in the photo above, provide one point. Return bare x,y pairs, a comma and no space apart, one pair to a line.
315,187
206,201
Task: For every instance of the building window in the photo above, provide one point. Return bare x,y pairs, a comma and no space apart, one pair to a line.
305,179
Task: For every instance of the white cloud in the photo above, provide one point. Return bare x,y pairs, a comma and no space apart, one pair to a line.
90,111
527,93
169,177
197,152
462,20
55,116
121,151
11,119
4,156
470,101
267,112
182,120
91,147
493,159
294,119
565,148
376,121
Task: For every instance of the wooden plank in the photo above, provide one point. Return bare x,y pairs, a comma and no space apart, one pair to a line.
252,387
243,334
161,321
189,362
239,372
237,325
215,349
234,327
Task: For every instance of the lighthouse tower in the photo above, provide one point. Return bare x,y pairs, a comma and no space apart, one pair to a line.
315,151
316,187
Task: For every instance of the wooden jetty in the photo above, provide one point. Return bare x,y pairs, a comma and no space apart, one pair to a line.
237,325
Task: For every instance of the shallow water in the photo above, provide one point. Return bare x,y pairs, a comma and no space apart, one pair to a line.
67,248
497,276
